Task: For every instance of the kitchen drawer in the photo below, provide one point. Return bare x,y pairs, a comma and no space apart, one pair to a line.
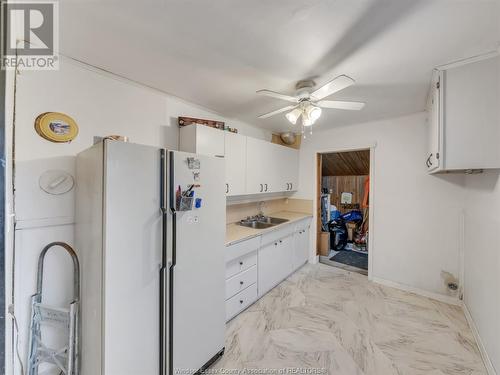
241,281
240,301
241,248
277,234
241,264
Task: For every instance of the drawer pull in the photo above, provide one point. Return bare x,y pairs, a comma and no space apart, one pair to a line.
241,263
241,301
241,282
281,241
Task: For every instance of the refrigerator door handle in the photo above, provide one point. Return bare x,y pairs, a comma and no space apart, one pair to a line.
164,269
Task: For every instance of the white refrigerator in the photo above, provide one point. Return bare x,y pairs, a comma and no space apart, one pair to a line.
150,227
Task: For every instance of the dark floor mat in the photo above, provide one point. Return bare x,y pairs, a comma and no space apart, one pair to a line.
352,258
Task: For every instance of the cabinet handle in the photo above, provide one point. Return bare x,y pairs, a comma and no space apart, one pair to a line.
281,241
287,186
227,188
291,185
241,263
219,156
429,162
266,187
261,188
241,301
241,283
275,244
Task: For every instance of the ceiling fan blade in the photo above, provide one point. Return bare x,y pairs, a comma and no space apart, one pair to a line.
335,85
281,110
277,95
338,104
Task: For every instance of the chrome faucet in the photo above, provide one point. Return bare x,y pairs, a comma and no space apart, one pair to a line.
261,208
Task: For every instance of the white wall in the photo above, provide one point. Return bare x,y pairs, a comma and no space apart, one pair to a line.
101,104
416,216
482,259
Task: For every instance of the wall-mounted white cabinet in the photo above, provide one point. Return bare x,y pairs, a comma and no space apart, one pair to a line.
253,166
235,156
201,139
288,169
270,167
464,116
260,167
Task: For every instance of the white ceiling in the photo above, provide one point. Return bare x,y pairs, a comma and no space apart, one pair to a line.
217,53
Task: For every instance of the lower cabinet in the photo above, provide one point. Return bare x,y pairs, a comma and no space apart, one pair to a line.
300,253
241,301
256,265
275,263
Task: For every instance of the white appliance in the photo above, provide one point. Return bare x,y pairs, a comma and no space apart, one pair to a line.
152,276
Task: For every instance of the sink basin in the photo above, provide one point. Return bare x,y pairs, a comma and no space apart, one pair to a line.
255,224
261,222
272,220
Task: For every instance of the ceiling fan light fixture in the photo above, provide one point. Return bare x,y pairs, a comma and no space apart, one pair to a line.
306,120
294,115
314,113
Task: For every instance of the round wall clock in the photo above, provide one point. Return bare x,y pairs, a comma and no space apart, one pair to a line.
56,127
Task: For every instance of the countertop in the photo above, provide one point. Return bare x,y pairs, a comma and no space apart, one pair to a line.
236,233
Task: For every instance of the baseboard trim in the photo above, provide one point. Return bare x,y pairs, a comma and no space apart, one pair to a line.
424,293
484,354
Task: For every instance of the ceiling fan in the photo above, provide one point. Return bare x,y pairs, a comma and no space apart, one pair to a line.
308,101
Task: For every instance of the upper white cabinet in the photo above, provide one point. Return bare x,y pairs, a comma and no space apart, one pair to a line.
253,166
463,116
235,157
259,169
270,167
201,139
288,164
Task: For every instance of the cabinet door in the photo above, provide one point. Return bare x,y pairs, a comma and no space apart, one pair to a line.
209,141
274,171
290,169
275,263
257,165
300,248
235,158
434,155
471,126
284,166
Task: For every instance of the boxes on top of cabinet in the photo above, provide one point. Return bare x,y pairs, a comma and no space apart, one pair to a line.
464,116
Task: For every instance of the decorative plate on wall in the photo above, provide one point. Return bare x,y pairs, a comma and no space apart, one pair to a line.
56,127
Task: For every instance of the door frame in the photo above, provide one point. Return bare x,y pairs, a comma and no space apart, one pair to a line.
317,188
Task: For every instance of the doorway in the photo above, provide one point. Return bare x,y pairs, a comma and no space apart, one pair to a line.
343,201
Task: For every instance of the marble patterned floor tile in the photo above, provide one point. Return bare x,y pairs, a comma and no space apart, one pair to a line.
327,318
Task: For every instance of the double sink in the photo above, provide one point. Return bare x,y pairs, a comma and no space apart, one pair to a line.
261,222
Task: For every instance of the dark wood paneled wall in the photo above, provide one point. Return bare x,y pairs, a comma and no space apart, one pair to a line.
339,184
